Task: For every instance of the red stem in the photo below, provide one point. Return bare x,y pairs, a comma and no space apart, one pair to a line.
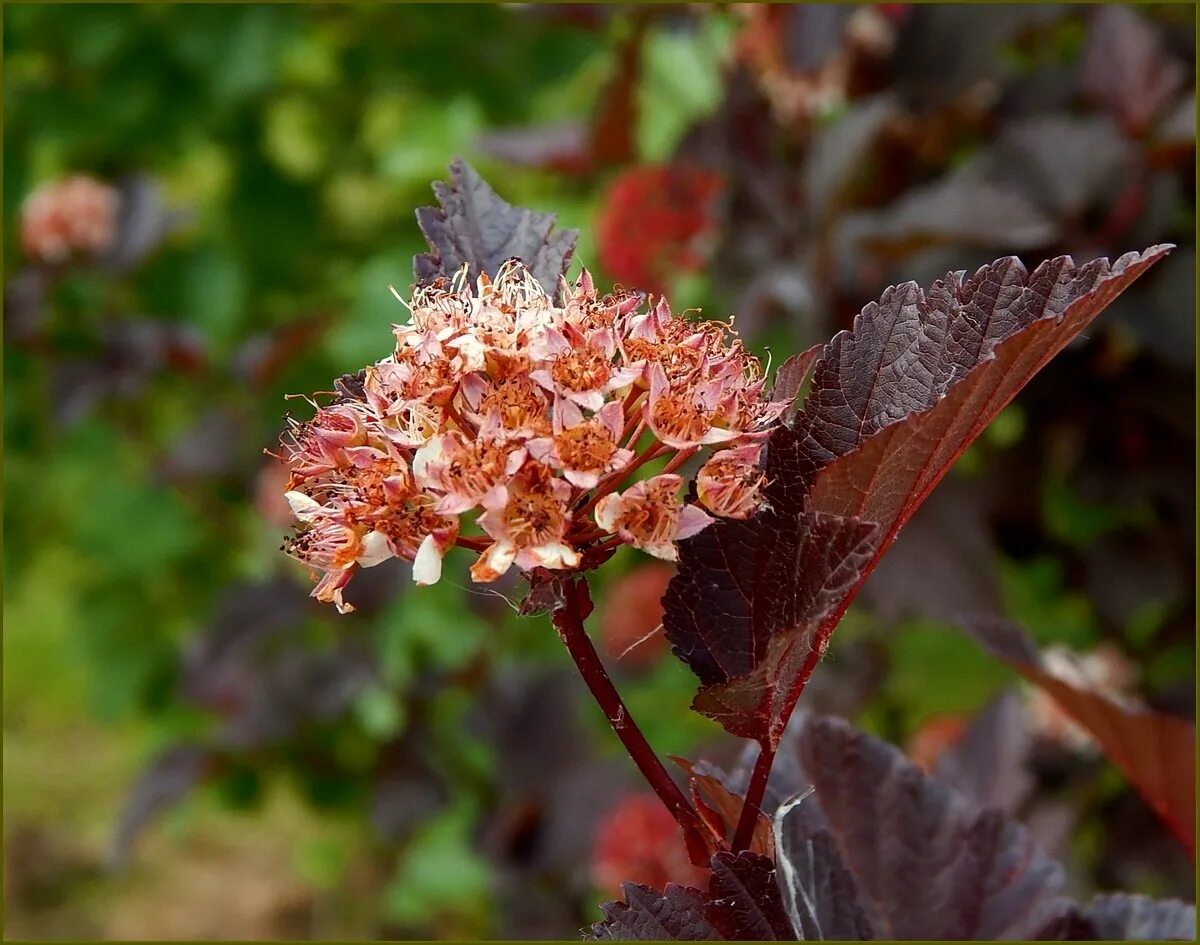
755,792
568,621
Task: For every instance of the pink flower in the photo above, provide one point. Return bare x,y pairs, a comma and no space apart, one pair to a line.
319,445
583,449
75,215
514,405
333,544
404,420
730,483
683,415
579,365
528,527
419,534
649,515
465,473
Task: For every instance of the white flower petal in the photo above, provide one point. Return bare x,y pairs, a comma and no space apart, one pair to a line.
375,551
494,562
427,565
303,507
608,510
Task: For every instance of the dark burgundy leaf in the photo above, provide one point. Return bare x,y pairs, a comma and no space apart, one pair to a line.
820,892
165,782
350,386
1064,923
24,303
475,226
839,150
945,50
742,904
1155,751
893,403
927,863
1120,916
988,764
1065,163
130,353
792,376
967,206
1127,69
1178,129
248,666
744,610
746,904
720,806
406,787
646,915
811,35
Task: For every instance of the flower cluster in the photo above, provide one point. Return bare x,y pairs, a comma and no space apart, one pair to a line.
507,423
74,215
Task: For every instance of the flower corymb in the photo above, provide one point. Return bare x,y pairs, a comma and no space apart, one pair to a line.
511,424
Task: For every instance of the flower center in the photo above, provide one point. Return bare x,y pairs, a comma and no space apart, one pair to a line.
519,403
407,528
533,514
586,447
677,415
678,361
581,369
653,519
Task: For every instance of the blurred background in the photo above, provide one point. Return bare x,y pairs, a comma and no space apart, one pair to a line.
203,209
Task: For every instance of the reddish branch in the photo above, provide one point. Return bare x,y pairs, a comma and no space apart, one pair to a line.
755,792
568,620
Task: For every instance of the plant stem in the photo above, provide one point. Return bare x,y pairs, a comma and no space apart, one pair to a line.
568,621
755,792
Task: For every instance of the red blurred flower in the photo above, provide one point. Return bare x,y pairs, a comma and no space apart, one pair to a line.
632,622
655,222
74,215
638,841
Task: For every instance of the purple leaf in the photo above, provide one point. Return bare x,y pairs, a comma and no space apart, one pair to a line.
792,375
160,786
1127,69
966,206
1065,162
987,764
475,226
1120,916
893,403
647,915
744,610
820,891
742,904
1155,751
927,863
